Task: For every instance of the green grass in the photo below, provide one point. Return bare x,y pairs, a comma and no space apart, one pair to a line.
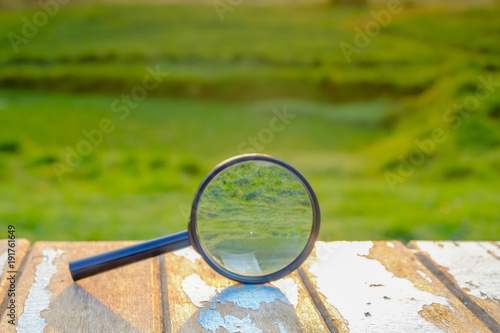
139,183
251,54
353,121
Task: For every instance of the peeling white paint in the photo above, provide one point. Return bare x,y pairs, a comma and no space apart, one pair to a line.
188,253
197,290
390,244
213,320
3,261
250,296
289,288
39,297
422,274
358,286
243,296
473,265
281,327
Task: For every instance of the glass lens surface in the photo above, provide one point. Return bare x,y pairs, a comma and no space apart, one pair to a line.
254,218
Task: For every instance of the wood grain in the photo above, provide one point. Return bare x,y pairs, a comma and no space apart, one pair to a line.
127,299
471,270
201,300
383,287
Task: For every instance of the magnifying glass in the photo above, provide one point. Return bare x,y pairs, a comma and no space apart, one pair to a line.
254,219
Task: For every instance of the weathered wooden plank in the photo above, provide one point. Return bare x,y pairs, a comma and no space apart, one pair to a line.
127,299
201,300
472,271
383,287
20,248
356,286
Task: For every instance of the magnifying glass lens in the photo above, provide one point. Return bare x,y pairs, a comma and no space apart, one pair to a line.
254,218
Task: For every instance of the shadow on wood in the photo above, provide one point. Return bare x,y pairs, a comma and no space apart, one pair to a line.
79,309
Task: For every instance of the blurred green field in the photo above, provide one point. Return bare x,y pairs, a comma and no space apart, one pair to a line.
352,121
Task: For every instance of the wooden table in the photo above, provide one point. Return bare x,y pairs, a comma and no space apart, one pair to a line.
381,286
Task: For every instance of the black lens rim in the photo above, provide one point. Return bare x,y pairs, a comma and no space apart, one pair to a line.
195,242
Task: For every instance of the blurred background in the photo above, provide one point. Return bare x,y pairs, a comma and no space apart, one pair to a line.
112,112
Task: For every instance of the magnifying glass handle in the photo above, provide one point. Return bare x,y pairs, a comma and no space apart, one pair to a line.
106,261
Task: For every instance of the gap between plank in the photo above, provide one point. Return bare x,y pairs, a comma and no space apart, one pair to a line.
165,311
473,307
317,300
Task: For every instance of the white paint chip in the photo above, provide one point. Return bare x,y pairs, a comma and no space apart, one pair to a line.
390,244
188,253
243,296
289,288
3,261
39,297
251,296
473,265
422,274
197,290
357,285
212,320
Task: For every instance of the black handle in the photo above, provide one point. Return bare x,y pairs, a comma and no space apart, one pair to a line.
106,261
